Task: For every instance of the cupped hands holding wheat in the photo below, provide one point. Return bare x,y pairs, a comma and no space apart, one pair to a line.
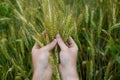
68,58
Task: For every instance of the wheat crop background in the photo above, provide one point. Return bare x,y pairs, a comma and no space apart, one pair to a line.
94,25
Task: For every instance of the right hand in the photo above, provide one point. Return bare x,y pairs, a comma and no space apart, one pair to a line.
68,59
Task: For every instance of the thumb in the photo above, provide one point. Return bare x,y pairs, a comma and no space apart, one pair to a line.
61,42
51,45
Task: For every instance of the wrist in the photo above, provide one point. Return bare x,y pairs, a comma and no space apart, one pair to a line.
69,73
35,75
42,74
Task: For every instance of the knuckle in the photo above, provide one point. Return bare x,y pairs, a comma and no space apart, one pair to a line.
65,49
43,49
75,48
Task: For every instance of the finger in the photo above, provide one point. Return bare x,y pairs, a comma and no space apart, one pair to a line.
61,42
44,33
71,43
51,45
36,46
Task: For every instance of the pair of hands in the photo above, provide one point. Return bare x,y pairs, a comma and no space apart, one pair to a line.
68,59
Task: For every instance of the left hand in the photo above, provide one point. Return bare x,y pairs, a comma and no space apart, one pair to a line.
40,58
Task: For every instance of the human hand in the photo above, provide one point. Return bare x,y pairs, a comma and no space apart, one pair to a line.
68,59
40,58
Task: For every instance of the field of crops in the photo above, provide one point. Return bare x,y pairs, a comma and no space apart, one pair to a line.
94,25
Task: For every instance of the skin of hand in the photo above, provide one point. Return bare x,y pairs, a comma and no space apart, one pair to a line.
40,58
68,59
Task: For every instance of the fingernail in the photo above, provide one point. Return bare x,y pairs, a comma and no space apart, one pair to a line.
58,36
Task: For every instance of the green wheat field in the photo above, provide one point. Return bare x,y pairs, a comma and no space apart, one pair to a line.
94,25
